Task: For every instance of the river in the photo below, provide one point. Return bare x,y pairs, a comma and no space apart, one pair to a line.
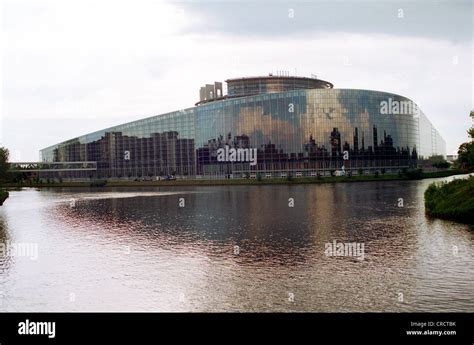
233,248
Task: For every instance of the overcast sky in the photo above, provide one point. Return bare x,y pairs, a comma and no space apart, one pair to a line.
73,67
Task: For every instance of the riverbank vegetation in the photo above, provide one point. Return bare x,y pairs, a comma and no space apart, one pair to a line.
465,159
453,200
403,175
4,167
3,196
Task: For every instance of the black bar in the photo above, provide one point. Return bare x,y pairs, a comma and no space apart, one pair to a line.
244,328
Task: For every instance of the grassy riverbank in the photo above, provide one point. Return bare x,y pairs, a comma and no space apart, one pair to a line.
3,196
453,200
263,181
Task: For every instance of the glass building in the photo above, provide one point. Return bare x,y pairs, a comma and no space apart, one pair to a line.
293,126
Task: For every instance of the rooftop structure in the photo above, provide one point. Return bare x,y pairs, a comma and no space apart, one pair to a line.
250,86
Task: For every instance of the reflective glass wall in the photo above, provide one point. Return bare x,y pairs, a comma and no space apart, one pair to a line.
302,132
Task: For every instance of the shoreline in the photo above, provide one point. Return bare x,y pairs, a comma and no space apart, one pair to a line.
3,196
239,182
451,201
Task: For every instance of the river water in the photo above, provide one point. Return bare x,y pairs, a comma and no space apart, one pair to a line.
232,248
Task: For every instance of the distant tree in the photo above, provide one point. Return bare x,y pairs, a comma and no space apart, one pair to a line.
4,165
442,165
466,150
471,130
436,161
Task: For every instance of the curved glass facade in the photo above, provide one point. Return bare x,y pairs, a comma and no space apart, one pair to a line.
257,85
300,132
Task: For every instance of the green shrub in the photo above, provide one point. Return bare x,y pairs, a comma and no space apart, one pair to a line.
453,200
98,183
3,196
415,174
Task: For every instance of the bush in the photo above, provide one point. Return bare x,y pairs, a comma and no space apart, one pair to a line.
416,174
3,196
289,177
441,165
453,200
376,175
4,165
98,183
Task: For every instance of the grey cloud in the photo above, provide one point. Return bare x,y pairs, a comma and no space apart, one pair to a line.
451,20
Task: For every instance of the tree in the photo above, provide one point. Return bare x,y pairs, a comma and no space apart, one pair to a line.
471,130
466,156
436,161
466,150
4,165
441,165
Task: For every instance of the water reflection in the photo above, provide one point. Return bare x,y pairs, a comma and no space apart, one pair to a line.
136,249
5,260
